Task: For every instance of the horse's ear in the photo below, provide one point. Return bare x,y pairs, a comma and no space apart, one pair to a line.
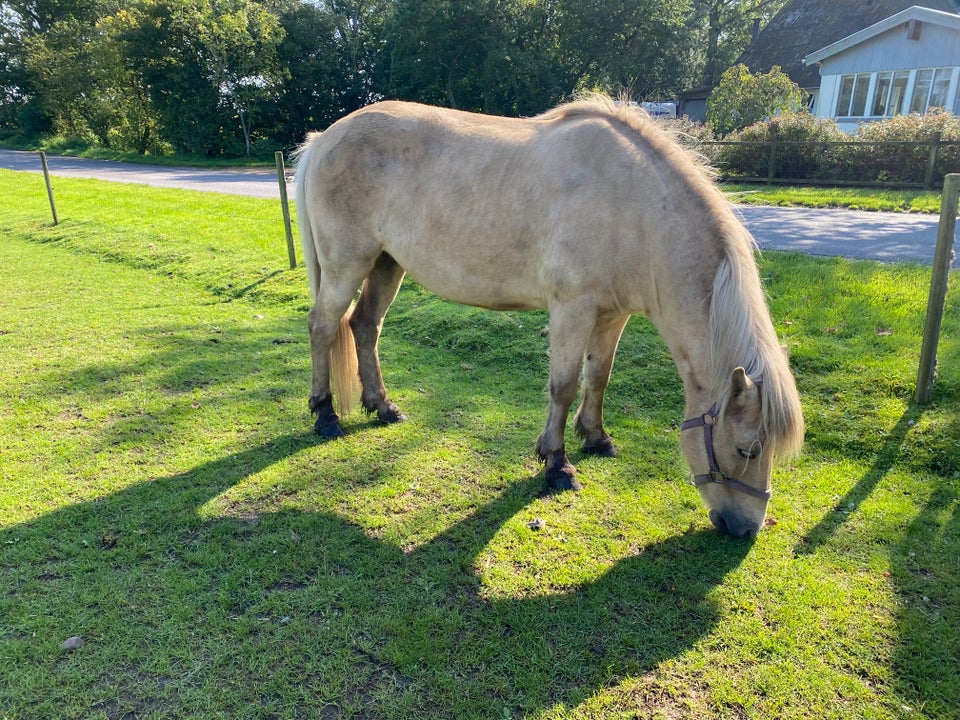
743,391
740,382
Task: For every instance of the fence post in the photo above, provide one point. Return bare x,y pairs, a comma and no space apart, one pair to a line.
46,179
932,159
938,287
772,167
285,206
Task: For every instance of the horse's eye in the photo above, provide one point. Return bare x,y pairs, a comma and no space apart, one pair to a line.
747,454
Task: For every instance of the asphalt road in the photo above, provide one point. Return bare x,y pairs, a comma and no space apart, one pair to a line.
888,237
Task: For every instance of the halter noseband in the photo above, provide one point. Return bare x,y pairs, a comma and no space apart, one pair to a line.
716,475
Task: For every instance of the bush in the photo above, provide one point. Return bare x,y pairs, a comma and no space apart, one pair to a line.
793,160
811,149
742,98
914,128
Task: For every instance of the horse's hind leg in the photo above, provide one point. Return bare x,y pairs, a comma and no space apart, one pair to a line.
333,298
596,374
378,293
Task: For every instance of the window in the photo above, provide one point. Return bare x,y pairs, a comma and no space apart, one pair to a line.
853,95
859,105
897,93
888,95
940,88
921,91
931,88
846,92
882,94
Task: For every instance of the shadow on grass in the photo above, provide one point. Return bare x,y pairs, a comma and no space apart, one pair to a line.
183,615
924,568
838,515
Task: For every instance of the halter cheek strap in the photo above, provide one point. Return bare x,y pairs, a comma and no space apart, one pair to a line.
716,475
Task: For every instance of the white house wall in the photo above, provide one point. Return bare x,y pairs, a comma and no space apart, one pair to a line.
937,47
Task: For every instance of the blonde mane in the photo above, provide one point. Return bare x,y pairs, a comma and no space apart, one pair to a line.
741,334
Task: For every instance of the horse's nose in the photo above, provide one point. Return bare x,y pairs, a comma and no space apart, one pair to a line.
733,524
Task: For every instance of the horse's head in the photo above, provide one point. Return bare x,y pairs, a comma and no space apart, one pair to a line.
731,466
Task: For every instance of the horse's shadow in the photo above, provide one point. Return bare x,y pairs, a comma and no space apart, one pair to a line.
332,596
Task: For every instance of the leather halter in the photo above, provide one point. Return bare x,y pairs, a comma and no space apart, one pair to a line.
716,475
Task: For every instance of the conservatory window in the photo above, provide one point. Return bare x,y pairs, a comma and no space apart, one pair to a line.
897,92
930,88
882,94
921,91
888,96
940,88
853,95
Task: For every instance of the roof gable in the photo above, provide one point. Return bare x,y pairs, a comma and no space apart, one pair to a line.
915,13
803,27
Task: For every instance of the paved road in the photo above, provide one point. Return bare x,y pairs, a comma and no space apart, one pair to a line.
239,181
888,237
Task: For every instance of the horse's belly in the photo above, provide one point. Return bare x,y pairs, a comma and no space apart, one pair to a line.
496,286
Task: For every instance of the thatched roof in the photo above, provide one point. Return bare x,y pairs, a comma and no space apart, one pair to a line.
804,26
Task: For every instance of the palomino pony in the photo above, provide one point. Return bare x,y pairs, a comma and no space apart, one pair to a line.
590,211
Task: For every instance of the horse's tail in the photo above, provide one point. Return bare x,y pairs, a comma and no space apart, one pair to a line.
343,366
343,353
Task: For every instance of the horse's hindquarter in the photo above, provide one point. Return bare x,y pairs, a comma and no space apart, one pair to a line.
486,211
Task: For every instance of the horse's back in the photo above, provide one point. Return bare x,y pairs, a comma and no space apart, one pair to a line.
486,210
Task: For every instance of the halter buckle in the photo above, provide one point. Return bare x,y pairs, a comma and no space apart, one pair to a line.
717,476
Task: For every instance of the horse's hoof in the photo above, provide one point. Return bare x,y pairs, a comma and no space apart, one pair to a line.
564,478
601,448
330,430
391,415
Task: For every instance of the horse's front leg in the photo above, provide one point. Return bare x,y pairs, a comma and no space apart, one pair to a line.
570,327
596,375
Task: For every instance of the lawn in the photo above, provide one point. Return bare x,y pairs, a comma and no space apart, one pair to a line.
174,541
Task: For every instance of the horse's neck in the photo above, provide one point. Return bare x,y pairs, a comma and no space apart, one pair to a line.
684,330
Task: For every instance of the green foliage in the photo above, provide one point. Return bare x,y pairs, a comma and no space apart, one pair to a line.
219,78
807,149
793,160
742,98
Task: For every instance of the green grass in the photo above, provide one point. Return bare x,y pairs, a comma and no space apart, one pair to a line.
162,498
922,201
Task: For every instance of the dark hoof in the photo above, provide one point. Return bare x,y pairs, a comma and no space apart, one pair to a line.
563,478
391,415
601,448
329,430
327,424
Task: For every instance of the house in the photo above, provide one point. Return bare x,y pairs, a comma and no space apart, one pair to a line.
907,62
804,27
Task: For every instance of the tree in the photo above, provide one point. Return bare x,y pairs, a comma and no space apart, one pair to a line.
728,25
742,99
209,65
625,45
453,52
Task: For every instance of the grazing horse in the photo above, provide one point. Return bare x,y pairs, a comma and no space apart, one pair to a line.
591,211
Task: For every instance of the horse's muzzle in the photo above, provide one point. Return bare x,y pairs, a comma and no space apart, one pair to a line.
734,525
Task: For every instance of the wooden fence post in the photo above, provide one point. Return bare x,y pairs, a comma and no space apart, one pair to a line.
46,179
938,287
932,159
285,206
772,167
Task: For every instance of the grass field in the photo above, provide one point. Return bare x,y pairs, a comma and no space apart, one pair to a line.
164,504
